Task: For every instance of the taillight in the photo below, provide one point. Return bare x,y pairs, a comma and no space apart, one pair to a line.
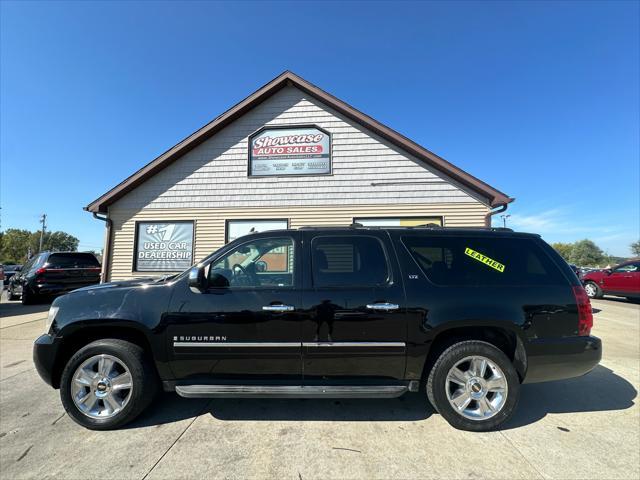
585,314
40,271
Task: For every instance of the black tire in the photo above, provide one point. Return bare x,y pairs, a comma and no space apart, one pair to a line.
27,297
143,376
593,290
437,385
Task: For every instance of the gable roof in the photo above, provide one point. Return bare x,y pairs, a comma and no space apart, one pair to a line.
287,78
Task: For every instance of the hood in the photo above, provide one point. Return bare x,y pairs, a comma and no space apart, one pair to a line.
121,284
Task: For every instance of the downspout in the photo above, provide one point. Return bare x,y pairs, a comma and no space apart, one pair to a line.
487,218
104,277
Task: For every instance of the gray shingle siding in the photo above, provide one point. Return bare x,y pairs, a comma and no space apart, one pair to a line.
214,174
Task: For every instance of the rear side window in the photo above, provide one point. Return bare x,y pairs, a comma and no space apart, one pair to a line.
348,261
72,260
483,261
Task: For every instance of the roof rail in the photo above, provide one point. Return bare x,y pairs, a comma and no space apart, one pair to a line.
433,226
436,226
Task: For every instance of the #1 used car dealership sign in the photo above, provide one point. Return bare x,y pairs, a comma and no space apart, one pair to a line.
290,151
163,246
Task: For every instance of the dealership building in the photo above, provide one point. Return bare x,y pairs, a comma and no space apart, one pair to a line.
288,155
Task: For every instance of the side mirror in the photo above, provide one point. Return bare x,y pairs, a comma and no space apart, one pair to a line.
608,271
261,266
196,278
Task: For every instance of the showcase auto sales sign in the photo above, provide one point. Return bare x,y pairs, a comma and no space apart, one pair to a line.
290,151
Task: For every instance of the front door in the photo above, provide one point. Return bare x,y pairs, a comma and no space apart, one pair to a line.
245,324
624,279
355,320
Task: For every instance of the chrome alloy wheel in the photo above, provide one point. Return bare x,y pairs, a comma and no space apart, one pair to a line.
101,386
591,290
476,388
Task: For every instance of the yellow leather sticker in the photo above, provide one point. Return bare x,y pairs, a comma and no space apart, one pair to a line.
489,262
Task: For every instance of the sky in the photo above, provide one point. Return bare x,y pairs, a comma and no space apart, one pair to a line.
538,99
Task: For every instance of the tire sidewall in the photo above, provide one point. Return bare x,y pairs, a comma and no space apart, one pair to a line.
453,355
132,357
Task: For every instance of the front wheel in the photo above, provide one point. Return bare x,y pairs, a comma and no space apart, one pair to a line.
474,386
593,290
107,384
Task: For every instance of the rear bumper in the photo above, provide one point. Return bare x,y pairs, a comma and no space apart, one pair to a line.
57,288
560,358
45,350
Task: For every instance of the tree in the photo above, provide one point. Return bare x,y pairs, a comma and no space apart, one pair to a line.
635,248
586,253
564,249
55,241
16,244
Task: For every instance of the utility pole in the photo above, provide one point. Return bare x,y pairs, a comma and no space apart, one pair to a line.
43,221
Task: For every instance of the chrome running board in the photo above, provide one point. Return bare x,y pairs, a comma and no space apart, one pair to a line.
283,391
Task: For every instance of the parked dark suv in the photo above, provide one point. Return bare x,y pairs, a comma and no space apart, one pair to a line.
53,273
464,315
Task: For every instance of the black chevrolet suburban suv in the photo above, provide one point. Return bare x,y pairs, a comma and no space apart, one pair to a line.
463,315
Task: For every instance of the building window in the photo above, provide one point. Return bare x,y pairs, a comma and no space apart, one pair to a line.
239,228
397,221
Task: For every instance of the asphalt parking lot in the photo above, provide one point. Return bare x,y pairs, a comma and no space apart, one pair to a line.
587,427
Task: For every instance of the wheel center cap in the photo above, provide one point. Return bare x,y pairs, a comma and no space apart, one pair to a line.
103,387
475,388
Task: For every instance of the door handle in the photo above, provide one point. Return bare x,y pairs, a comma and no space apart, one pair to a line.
386,307
278,308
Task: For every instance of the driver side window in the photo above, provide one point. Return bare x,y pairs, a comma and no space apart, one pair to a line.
264,262
631,267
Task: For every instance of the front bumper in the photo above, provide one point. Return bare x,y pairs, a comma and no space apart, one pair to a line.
45,350
561,358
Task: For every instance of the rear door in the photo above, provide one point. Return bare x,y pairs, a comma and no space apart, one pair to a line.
27,272
355,316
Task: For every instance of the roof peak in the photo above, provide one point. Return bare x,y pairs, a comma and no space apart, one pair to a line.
494,196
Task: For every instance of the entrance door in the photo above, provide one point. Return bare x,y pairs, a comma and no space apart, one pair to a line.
355,320
245,325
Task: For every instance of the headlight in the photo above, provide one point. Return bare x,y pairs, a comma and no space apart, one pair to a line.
53,311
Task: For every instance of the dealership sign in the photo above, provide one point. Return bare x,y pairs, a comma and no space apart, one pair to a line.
290,151
163,246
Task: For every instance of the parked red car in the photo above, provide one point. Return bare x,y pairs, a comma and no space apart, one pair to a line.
622,280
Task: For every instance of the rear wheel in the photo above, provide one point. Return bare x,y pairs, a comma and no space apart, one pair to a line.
107,384
474,386
593,290
28,297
